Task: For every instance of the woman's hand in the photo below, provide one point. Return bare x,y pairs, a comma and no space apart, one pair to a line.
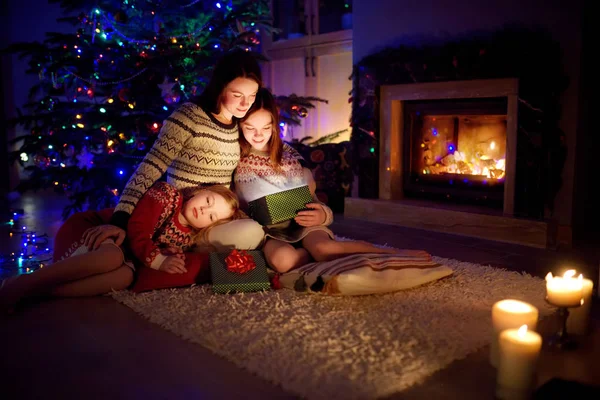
314,217
173,265
93,237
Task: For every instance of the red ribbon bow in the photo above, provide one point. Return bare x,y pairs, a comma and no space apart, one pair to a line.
239,262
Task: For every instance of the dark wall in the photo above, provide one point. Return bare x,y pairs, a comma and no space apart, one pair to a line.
586,212
4,169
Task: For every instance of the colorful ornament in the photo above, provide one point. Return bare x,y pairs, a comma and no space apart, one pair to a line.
166,88
69,151
172,98
41,161
302,112
85,159
124,94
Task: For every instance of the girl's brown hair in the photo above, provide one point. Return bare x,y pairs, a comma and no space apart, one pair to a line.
201,236
264,101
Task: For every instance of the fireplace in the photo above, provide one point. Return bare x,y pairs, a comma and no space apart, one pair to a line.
450,140
475,123
455,149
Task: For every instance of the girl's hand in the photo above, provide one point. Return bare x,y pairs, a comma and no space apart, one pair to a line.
173,265
173,251
93,237
314,217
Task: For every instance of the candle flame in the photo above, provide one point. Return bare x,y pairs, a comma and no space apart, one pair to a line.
549,276
582,301
569,274
522,331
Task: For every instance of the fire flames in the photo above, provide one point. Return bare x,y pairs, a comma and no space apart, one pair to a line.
479,150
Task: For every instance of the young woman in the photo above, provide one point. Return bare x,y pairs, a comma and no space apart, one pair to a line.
197,145
268,166
165,223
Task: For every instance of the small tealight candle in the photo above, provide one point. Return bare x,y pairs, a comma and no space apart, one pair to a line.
579,317
510,314
519,354
564,291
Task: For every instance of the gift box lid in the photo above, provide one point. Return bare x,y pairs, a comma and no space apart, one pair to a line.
280,206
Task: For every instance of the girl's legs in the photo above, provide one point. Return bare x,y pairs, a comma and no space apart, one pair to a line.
95,285
322,248
283,257
75,269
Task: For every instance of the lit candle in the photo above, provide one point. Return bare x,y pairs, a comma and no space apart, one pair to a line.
564,291
518,357
579,317
510,314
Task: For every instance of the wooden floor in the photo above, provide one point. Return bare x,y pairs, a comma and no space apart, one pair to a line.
96,348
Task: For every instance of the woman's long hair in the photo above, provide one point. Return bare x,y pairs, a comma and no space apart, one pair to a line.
232,65
200,238
264,101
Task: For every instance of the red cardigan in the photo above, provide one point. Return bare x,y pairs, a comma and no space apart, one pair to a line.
154,225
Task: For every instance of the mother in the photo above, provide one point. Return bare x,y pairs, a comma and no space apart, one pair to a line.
197,145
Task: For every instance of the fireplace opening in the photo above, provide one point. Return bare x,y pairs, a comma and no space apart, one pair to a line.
456,150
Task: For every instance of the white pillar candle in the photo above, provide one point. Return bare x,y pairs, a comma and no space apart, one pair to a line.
579,317
510,314
517,363
564,291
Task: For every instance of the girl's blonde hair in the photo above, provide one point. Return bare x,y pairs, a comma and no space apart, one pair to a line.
264,101
201,236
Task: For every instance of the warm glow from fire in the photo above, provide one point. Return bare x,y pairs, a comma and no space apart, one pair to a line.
467,145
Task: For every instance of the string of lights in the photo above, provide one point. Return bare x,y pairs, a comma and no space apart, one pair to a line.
35,252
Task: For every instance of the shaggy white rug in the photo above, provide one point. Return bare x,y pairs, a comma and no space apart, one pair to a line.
325,347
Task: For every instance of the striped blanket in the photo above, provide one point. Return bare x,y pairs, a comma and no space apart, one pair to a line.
360,274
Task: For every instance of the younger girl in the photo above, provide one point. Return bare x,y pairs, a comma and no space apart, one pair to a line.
268,165
165,223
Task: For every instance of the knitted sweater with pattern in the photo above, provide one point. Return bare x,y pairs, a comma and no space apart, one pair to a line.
256,177
155,226
193,148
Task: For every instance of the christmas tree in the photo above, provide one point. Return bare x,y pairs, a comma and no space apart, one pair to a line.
105,89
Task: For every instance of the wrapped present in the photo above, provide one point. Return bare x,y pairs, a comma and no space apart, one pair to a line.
239,271
281,206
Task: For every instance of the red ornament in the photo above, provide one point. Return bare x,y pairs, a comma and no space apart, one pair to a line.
239,262
124,94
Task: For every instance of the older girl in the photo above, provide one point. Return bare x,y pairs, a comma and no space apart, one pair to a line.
267,166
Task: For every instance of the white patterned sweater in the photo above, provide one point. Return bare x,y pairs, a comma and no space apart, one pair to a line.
255,176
